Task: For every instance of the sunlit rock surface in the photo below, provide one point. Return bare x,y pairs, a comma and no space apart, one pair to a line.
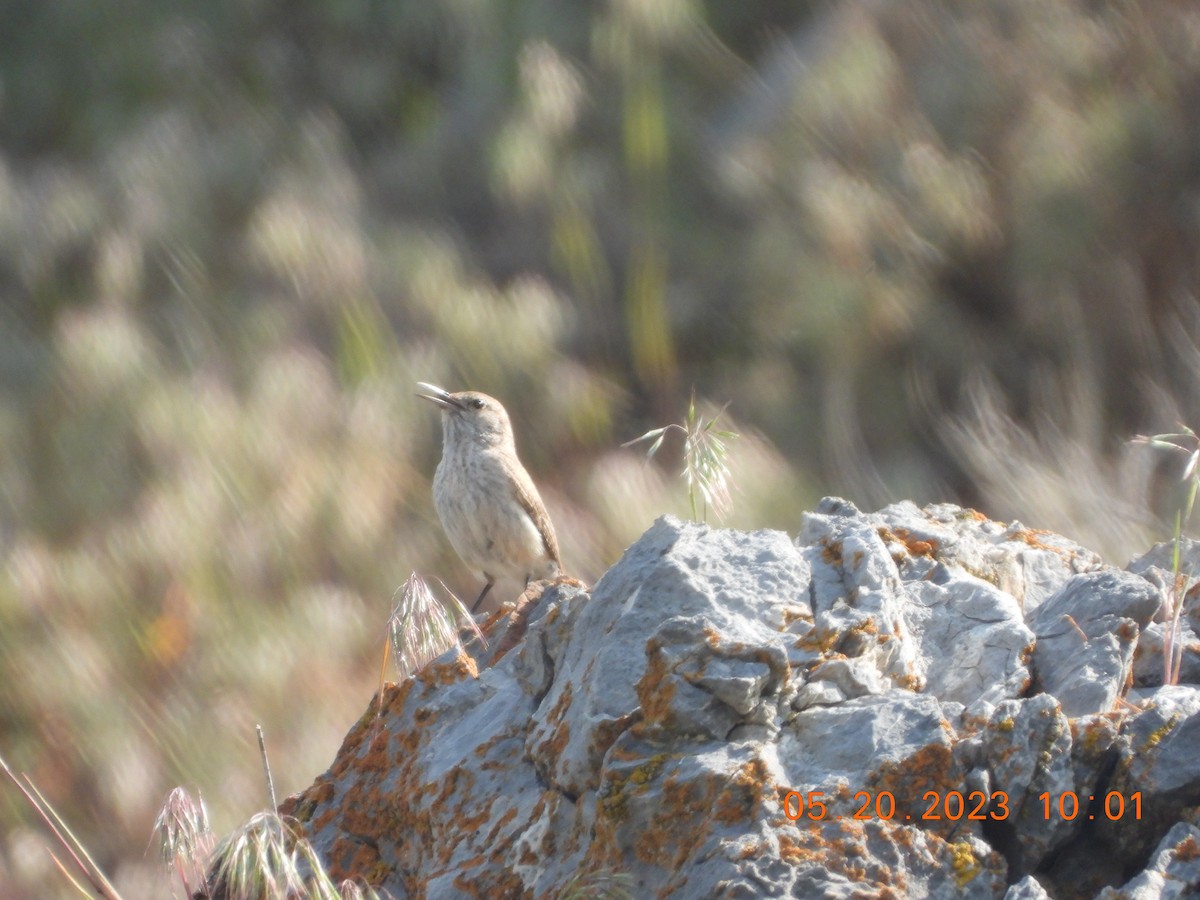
905,703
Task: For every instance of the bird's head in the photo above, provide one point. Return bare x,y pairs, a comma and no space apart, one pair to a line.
469,417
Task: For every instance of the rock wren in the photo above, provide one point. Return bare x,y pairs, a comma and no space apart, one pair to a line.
486,501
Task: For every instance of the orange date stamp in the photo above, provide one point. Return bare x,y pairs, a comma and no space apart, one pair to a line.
954,806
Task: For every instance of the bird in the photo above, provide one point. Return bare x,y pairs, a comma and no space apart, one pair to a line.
488,505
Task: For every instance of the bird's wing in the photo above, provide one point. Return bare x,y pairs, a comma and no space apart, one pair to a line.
531,502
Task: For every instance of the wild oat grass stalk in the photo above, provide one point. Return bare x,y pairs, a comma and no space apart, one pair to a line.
705,460
266,763
268,859
321,887
258,860
420,628
1185,441
185,839
601,885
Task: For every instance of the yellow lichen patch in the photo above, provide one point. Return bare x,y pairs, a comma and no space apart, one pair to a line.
612,801
964,863
831,553
1161,732
1094,736
647,771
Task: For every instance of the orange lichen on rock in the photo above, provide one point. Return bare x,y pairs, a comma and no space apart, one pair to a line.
621,783
678,824
461,667
741,799
457,782
395,696
500,824
914,545
932,768
831,553
350,858
794,851
797,613
302,806
655,690
323,819
503,884
561,733
818,640
1187,850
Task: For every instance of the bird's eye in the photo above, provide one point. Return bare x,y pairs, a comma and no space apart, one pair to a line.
477,403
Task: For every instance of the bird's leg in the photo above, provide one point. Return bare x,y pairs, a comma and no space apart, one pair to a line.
487,587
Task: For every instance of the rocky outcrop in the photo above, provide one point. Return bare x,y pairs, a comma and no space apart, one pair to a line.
906,703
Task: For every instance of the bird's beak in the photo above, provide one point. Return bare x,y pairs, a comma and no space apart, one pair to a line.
440,396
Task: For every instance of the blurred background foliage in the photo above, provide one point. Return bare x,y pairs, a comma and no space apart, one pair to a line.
930,250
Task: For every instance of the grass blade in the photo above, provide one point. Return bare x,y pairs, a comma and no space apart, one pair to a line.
63,834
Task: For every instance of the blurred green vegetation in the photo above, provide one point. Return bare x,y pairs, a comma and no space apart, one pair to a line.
929,250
